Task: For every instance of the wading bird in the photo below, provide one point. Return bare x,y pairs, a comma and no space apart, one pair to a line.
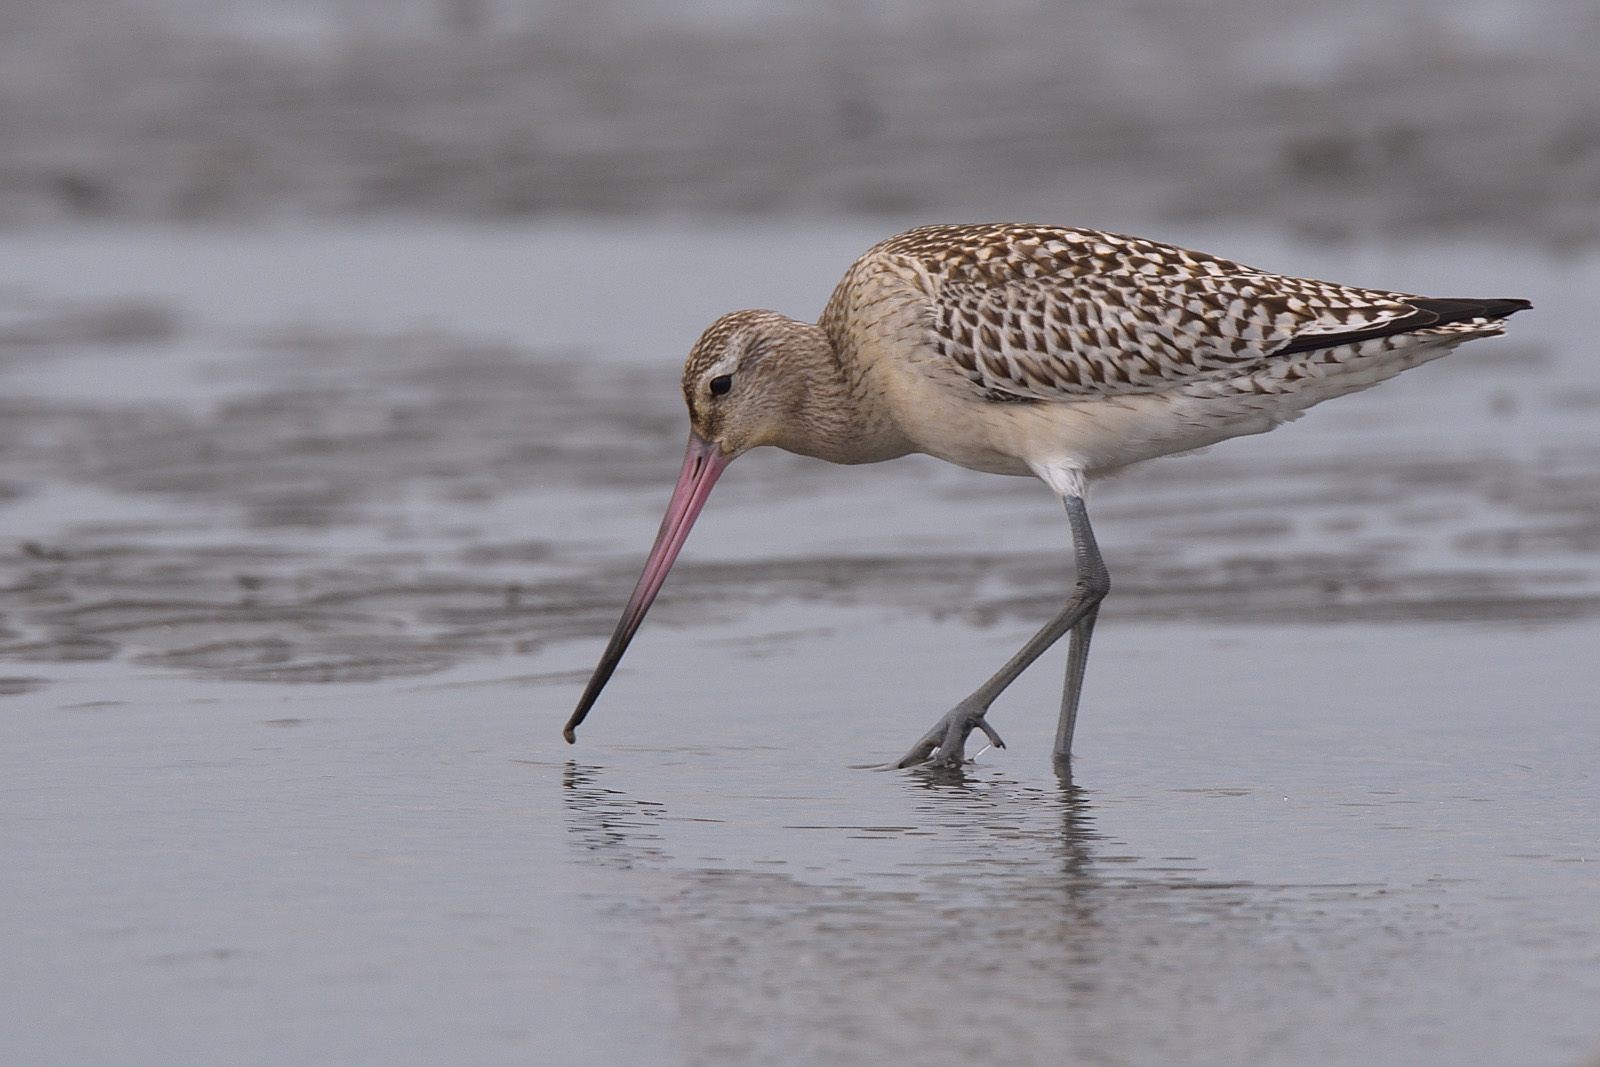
1061,353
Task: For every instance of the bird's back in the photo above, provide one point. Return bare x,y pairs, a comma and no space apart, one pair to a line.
1012,314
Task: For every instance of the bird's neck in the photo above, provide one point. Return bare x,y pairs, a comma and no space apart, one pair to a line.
832,413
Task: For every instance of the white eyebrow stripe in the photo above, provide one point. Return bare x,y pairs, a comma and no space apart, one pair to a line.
729,362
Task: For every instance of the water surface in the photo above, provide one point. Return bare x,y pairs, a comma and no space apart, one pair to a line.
311,539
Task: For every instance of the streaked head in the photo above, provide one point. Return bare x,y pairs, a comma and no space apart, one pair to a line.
741,382
738,399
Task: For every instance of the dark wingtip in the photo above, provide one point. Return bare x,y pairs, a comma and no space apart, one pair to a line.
1456,310
1503,308
1429,312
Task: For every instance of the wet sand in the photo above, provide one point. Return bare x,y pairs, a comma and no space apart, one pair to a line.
312,537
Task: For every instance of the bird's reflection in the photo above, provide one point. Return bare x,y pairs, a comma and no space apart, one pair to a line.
608,825
1077,823
962,806
996,876
1014,856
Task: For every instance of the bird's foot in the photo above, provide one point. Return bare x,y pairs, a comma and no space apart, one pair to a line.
945,744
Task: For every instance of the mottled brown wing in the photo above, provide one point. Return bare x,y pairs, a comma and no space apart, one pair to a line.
1045,313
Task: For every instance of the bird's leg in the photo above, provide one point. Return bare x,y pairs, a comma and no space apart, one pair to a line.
1077,659
946,743
1092,573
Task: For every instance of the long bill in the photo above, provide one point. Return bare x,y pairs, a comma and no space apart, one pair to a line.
702,466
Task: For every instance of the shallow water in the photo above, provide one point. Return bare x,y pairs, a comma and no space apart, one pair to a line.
312,537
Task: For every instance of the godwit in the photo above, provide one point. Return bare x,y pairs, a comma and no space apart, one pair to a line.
1062,353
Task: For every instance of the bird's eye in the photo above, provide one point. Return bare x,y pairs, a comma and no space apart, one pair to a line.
721,384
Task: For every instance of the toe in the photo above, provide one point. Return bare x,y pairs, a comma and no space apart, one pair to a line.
989,732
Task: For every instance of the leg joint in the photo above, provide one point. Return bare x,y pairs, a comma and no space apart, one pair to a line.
1095,585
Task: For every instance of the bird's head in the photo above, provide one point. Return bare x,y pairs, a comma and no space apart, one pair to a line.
740,381
742,391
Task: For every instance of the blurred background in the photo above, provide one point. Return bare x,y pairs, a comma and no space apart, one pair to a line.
1347,119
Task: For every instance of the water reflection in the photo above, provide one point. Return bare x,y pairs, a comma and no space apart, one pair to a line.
977,805
995,925
606,824
994,921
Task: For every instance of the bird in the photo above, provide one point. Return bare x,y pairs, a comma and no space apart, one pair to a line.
1053,352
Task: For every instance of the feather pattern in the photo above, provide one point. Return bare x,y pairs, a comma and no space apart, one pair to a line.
1054,313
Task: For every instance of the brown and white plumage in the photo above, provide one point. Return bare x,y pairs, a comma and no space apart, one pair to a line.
1050,314
1019,349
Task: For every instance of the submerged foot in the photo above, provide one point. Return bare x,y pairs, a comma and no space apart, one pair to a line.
945,744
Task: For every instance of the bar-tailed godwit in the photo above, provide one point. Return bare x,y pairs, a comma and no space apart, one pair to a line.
1065,354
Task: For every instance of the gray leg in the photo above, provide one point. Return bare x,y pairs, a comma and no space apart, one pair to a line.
1077,659
1092,574
945,744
